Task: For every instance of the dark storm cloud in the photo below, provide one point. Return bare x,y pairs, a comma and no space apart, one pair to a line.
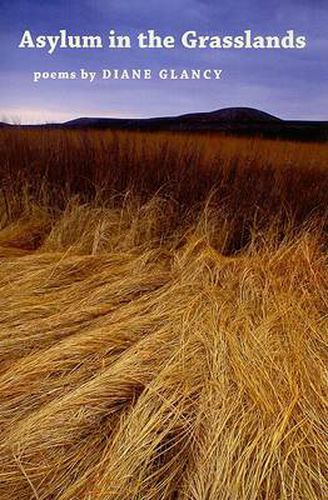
286,83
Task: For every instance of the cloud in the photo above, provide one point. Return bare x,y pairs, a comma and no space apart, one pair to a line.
22,115
142,14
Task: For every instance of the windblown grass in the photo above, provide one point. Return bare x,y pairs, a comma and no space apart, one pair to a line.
163,317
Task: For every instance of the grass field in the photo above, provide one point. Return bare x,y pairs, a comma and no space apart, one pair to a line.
163,317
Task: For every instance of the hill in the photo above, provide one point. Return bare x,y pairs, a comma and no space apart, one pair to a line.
232,121
236,115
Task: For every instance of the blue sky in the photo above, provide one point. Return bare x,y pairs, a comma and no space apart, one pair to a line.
289,84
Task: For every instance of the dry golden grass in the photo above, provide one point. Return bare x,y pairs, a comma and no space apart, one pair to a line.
163,317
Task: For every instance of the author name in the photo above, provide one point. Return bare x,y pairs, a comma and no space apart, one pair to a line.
130,74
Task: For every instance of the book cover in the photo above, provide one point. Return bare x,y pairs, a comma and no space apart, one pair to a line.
163,250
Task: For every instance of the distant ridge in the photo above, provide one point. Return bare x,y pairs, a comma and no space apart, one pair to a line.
236,115
233,121
226,115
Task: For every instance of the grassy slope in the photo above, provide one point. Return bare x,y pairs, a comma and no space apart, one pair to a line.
163,305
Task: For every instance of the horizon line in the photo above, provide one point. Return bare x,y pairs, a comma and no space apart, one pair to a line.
16,121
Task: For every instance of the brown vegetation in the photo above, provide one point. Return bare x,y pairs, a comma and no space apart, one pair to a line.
163,317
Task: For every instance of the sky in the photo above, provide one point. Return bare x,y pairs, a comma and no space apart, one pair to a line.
291,84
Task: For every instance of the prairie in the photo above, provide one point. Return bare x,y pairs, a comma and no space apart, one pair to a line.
163,316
